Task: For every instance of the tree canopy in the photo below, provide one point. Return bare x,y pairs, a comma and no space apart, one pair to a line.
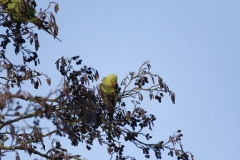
76,107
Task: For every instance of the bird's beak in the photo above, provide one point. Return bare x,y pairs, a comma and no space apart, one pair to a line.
114,84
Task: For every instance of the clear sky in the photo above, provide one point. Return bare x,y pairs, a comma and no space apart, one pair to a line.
193,45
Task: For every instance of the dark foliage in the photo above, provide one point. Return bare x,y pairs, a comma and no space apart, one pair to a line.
78,111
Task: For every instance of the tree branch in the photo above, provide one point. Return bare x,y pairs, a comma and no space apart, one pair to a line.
16,120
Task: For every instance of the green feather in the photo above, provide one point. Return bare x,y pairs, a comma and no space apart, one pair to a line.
13,8
109,88
107,83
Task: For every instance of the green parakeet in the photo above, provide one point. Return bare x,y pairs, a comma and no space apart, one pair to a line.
13,9
109,88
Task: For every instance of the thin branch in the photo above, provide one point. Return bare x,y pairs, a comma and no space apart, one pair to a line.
16,120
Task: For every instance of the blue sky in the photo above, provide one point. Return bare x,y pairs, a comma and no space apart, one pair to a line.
193,45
